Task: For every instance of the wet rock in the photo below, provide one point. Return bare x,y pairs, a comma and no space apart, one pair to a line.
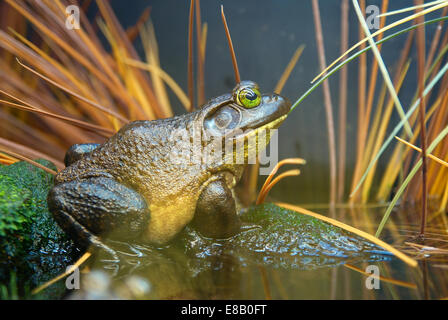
283,238
194,267
33,249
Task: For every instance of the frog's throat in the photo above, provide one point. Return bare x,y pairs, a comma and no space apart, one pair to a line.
273,124
253,142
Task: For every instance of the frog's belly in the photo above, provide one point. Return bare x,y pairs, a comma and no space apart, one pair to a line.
168,219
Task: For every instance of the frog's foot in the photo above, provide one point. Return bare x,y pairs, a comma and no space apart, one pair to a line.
216,215
84,236
87,209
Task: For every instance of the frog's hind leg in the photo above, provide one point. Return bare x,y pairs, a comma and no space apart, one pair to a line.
77,151
98,206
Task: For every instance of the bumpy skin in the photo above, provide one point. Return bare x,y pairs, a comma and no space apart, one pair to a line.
131,186
76,151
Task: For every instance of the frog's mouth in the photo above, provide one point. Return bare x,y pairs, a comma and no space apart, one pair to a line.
263,127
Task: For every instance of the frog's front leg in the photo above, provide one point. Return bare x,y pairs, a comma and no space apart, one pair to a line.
93,207
216,214
76,151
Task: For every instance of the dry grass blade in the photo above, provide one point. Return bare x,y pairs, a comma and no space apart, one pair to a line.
388,280
264,192
7,162
342,146
7,157
72,268
388,27
28,152
133,31
363,234
274,171
166,77
427,249
390,13
422,107
265,282
92,103
328,104
190,55
429,155
383,68
232,51
95,128
201,55
34,163
292,63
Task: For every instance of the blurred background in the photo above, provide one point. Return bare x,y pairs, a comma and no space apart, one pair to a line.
265,35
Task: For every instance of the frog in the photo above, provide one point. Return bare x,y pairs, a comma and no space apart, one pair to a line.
132,188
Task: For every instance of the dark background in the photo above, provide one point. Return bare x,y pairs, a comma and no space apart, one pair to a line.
265,35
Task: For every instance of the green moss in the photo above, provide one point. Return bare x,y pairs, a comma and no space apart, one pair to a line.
31,243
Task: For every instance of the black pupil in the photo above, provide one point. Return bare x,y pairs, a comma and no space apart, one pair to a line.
251,95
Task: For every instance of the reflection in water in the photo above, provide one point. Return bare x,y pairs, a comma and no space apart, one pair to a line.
198,268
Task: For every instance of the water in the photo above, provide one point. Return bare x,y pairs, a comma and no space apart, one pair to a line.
286,261
196,268
265,35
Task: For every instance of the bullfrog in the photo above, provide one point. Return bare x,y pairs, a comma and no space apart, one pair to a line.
133,187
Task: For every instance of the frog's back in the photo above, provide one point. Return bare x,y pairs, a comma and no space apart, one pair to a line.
138,155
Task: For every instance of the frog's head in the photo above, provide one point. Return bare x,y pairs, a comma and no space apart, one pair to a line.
244,113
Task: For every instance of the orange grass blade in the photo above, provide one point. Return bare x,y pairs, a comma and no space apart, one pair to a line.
363,234
421,41
200,67
7,157
274,171
388,280
342,146
327,102
277,179
429,155
76,265
7,162
165,77
98,129
390,26
132,32
92,103
291,65
232,51
190,56
31,153
34,163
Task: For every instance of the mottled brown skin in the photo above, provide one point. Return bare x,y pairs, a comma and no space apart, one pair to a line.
129,187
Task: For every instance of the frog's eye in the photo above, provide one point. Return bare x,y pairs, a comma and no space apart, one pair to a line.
248,97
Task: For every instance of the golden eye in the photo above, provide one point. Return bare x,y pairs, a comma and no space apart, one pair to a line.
248,97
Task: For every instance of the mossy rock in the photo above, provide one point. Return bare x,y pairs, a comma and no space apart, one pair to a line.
33,248
285,239
194,267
